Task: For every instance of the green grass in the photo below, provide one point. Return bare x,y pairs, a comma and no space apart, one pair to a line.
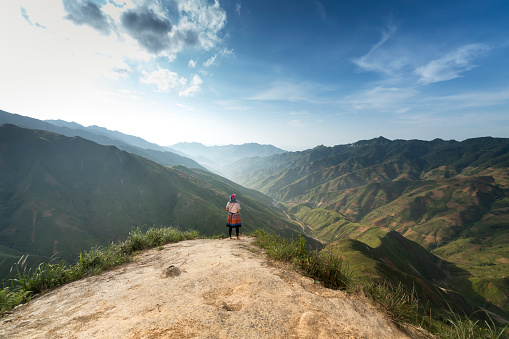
322,266
31,281
457,327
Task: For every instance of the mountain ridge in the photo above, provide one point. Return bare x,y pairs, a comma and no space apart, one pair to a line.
218,158
157,154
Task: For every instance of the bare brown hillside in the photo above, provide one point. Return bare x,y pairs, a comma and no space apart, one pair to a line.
225,289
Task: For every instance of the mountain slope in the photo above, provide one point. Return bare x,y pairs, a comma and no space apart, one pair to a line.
102,136
61,195
450,197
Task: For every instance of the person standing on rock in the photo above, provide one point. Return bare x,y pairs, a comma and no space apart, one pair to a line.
233,217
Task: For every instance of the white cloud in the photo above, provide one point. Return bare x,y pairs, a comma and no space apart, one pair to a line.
450,66
210,61
194,88
163,79
200,24
238,6
192,63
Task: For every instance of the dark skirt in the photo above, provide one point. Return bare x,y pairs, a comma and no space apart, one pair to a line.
233,220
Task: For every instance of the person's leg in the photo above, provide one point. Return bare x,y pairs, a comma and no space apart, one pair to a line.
237,231
230,231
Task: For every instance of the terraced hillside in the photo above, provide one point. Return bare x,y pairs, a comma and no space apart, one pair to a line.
450,197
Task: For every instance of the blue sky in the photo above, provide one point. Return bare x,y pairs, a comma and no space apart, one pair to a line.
294,74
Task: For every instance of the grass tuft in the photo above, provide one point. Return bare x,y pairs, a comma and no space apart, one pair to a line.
458,327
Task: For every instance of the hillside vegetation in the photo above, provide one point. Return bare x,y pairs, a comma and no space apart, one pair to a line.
450,197
61,195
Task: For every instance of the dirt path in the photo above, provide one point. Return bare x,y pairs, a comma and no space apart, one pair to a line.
226,289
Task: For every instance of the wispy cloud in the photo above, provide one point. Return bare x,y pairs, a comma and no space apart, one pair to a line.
210,61
321,10
192,63
286,91
381,99
379,60
238,6
471,100
88,13
25,16
195,87
232,105
451,65
188,108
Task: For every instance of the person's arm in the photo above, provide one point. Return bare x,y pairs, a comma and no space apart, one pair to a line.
228,207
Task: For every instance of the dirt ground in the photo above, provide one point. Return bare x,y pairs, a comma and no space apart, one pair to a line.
225,289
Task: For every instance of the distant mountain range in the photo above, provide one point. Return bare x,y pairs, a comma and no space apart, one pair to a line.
61,195
102,136
192,155
450,197
218,158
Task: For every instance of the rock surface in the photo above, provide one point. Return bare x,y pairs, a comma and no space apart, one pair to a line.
225,289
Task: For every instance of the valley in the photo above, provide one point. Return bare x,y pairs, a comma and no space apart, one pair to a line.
432,215
449,197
